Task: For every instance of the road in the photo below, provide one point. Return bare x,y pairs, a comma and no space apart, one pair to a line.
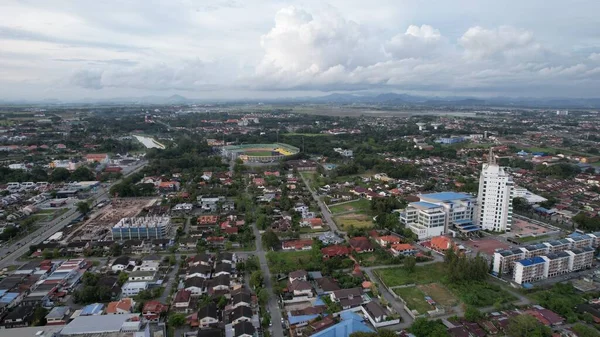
326,214
272,306
20,247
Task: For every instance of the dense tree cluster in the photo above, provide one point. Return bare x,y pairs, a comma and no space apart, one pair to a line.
527,326
560,170
422,327
462,268
586,222
90,291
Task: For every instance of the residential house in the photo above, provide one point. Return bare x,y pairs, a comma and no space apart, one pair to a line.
121,263
222,269
347,298
58,316
403,249
152,310
335,251
298,275
441,243
297,245
361,244
19,317
207,316
124,306
244,329
300,288
195,285
200,259
219,284
200,270
133,288
386,240
181,302
240,314
241,298
227,257
376,312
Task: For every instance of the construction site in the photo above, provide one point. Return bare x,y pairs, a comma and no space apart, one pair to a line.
98,227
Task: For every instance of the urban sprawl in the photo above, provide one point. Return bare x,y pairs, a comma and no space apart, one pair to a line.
248,220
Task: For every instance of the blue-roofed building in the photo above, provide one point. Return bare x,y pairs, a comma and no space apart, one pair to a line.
435,213
530,270
93,309
349,324
10,299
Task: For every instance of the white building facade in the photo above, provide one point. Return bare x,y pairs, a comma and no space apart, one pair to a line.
437,212
494,201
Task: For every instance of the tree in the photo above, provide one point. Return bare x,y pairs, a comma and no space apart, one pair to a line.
270,240
527,326
583,330
83,207
123,277
256,279
39,316
82,173
263,296
222,302
116,249
59,175
176,320
521,204
410,264
422,327
472,314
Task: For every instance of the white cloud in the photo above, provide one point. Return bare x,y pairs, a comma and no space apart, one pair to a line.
256,45
505,41
423,41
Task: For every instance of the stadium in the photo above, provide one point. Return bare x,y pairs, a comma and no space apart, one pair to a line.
259,153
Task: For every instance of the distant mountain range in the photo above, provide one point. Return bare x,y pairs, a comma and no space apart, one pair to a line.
384,100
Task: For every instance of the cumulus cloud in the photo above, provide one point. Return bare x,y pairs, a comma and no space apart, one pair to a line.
423,41
187,75
309,44
506,41
267,48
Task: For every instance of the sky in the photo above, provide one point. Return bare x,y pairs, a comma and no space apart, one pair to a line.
220,49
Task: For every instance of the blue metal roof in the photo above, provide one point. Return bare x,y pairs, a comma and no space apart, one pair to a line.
300,318
532,261
9,297
470,228
423,204
446,196
92,309
462,222
350,324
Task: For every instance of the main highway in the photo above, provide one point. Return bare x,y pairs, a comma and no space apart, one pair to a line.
9,255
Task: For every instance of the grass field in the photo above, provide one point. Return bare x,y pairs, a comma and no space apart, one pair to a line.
482,294
422,275
414,298
440,294
358,206
353,219
287,261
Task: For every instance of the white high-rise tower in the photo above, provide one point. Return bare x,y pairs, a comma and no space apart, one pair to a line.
494,201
